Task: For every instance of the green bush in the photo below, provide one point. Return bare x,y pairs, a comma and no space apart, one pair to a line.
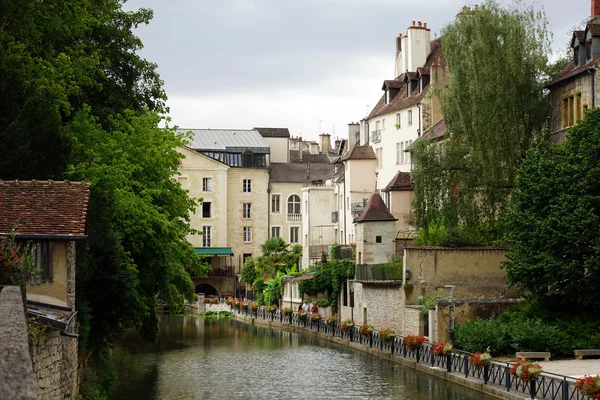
479,334
322,303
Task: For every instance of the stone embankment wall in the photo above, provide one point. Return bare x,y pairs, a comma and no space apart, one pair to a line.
17,381
475,271
54,359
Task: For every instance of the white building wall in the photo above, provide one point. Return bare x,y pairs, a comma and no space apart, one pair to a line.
258,197
283,219
318,203
359,185
194,167
393,142
280,149
370,252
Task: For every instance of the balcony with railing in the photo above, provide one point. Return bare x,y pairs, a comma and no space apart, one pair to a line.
376,136
379,272
294,217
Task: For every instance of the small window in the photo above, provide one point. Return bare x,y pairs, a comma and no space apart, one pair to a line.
207,184
398,121
206,236
247,210
383,124
247,185
294,234
377,239
409,117
206,209
387,96
275,231
247,234
276,203
398,153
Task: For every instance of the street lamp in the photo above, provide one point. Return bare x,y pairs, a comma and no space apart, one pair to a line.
449,295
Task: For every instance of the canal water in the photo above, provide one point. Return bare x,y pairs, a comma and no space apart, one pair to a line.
226,359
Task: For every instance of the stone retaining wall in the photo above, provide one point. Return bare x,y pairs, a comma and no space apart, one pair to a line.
55,365
17,381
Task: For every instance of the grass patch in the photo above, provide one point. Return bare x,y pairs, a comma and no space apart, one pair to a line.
217,315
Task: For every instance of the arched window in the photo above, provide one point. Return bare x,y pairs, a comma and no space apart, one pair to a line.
293,204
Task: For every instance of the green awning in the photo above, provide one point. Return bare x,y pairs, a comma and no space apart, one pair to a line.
214,251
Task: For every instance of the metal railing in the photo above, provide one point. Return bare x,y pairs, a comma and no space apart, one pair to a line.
547,386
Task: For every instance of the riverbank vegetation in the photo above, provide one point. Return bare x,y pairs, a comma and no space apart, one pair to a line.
531,326
217,315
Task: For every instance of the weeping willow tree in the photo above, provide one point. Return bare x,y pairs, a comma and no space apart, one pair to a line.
494,109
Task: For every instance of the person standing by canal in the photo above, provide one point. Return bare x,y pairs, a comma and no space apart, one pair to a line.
306,307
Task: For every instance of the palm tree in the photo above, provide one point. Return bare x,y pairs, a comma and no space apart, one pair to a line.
274,252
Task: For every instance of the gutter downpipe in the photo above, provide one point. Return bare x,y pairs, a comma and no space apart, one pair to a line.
593,72
419,130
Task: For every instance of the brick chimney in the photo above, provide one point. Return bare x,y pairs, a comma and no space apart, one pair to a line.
595,8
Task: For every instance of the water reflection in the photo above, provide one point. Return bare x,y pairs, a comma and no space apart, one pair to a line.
197,359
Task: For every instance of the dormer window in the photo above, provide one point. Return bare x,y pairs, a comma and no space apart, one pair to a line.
387,96
576,56
588,50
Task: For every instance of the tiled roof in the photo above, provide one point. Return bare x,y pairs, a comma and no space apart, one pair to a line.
435,132
360,153
392,84
571,71
579,35
401,100
314,158
593,28
400,182
43,207
274,132
300,173
375,210
423,71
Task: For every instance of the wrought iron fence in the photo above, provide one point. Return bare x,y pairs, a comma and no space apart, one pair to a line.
547,386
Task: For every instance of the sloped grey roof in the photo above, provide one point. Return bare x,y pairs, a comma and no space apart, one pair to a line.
300,172
230,140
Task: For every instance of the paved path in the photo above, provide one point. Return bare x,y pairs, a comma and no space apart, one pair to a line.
574,368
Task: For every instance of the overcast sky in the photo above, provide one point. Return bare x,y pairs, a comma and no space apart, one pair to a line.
294,64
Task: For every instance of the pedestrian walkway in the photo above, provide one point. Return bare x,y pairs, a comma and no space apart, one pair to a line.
573,368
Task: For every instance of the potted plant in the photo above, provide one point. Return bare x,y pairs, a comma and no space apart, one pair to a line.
482,360
287,311
413,341
271,308
302,315
479,360
387,335
229,301
526,370
366,330
253,306
244,305
315,317
331,320
589,385
441,348
347,325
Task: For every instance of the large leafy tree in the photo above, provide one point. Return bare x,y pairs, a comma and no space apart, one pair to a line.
552,226
78,102
494,109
